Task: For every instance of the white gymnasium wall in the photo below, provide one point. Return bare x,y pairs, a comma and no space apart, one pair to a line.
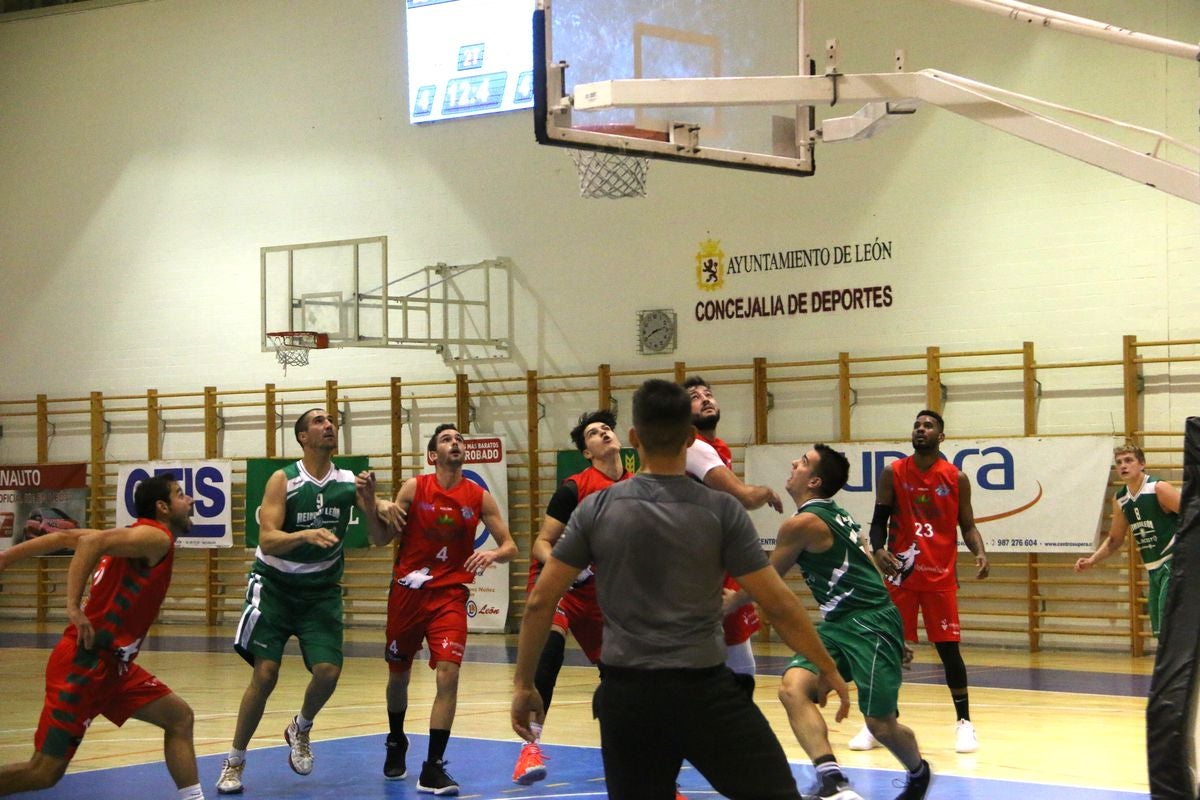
151,149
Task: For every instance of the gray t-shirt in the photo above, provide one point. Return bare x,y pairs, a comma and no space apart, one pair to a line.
661,545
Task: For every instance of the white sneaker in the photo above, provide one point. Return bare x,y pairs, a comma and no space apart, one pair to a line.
230,781
965,740
300,755
863,740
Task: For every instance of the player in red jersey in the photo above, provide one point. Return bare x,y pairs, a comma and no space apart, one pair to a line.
710,461
92,670
926,498
435,560
577,611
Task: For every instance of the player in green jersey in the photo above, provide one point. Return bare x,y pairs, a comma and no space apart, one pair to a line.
294,588
860,627
1148,507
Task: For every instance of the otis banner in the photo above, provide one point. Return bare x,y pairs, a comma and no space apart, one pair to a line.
487,608
259,470
36,499
1043,495
208,483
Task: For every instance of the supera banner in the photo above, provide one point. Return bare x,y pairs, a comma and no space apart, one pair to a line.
487,608
1029,495
208,483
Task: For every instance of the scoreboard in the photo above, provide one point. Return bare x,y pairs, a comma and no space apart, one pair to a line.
468,57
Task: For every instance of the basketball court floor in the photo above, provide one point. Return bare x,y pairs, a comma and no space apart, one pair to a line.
1051,725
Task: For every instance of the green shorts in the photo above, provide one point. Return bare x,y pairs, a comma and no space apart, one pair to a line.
868,648
273,613
1156,595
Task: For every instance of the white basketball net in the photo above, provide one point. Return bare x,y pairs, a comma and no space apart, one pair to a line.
610,175
291,349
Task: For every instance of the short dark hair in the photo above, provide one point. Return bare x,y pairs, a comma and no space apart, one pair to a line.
1130,447
149,492
445,426
587,418
833,469
696,380
662,416
927,412
302,421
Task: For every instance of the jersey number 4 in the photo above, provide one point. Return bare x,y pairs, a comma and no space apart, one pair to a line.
443,554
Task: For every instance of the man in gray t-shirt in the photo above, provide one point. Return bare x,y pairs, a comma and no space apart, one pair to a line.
661,545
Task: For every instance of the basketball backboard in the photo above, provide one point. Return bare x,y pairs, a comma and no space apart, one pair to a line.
580,42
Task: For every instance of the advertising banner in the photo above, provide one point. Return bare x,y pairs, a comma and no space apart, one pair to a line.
259,470
208,483
487,608
36,499
1029,494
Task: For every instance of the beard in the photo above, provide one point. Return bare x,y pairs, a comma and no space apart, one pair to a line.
706,424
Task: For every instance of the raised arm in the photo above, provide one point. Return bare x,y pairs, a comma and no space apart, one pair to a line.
143,541
1112,542
498,528
966,523
750,496
40,546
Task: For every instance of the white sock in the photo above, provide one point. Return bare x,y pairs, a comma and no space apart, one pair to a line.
193,792
537,732
236,756
302,723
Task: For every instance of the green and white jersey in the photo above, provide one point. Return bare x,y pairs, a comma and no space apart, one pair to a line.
843,579
1153,527
312,503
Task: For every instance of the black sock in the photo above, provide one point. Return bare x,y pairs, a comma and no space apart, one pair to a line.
438,739
962,705
396,726
549,664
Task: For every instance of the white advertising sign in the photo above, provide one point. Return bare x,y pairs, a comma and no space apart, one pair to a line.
208,483
1030,494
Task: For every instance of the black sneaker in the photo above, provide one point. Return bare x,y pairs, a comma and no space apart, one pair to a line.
918,784
394,768
435,780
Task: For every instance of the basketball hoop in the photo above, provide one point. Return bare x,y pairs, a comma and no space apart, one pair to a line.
291,347
614,175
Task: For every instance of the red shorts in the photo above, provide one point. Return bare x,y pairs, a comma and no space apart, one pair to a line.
741,624
437,615
582,617
938,609
82,685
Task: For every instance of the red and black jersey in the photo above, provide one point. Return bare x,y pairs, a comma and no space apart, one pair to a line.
569,495
924,525
125,597
439,535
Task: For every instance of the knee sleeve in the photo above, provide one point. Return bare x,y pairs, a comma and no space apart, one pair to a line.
548,666
952,663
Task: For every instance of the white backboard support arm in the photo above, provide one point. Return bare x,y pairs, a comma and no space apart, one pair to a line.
903,91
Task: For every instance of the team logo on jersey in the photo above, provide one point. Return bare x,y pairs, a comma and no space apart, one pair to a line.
467,513
942,491
710,266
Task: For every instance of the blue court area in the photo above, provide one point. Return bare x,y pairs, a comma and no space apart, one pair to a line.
350,769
